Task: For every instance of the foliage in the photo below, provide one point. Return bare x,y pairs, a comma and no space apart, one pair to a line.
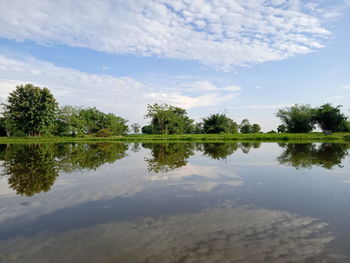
73,121
298,118
167,119
219,123
245,126
69,122
330,118
255,128
135,127
103,133
198,128
30,110
282,128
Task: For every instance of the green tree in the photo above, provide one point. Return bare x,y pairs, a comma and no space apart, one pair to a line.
95,120
69,122
31,110
167,119
282,128
147,129
219,123
256,128
330,118
245,126
135,127
298,118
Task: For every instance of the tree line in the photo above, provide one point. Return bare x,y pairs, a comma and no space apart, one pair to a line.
33,111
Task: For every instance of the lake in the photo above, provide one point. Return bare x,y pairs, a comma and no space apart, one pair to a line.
175,202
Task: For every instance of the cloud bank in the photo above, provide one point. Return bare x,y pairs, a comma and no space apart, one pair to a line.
222,34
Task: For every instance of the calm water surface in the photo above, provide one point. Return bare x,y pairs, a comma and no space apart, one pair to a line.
178,202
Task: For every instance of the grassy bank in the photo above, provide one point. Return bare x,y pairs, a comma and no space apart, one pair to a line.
261,137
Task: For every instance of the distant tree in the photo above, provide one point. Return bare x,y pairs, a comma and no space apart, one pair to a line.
168,119
147,129
298,118
330,118
95,120
198,128
282,128
272,131
31,110
256,128
135,127
69,122
245,126
217,123
232,126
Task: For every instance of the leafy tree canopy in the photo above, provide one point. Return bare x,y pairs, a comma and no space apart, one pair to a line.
168,119
30,110
298,118
330,118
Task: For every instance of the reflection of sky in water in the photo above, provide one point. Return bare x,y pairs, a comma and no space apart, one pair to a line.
120,210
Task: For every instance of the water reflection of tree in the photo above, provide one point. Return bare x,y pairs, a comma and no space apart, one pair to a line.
168,156
33,168
89,156
219,151
305,155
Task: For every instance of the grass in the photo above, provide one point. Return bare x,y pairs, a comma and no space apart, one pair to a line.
261,137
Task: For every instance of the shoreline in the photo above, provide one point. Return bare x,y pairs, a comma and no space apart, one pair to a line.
258,137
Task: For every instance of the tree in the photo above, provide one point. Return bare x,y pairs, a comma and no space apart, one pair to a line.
167,119
245,126
218,123
30,110
256,128
282,128
330,118
135,127
95,120
298,118
69,122
147,129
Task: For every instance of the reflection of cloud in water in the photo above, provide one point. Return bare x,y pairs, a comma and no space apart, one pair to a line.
198,177
220,234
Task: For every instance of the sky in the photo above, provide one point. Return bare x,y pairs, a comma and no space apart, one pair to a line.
246,59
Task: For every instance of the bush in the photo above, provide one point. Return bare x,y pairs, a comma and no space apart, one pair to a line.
103,133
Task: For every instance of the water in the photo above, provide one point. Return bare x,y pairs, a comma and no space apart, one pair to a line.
178,202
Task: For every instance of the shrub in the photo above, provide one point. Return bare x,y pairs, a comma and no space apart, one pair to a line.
103,133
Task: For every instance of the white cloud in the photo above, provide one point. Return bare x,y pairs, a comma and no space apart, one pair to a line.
187,102
345,87
261,107
218,33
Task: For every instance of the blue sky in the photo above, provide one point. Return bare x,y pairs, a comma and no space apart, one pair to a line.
243,58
